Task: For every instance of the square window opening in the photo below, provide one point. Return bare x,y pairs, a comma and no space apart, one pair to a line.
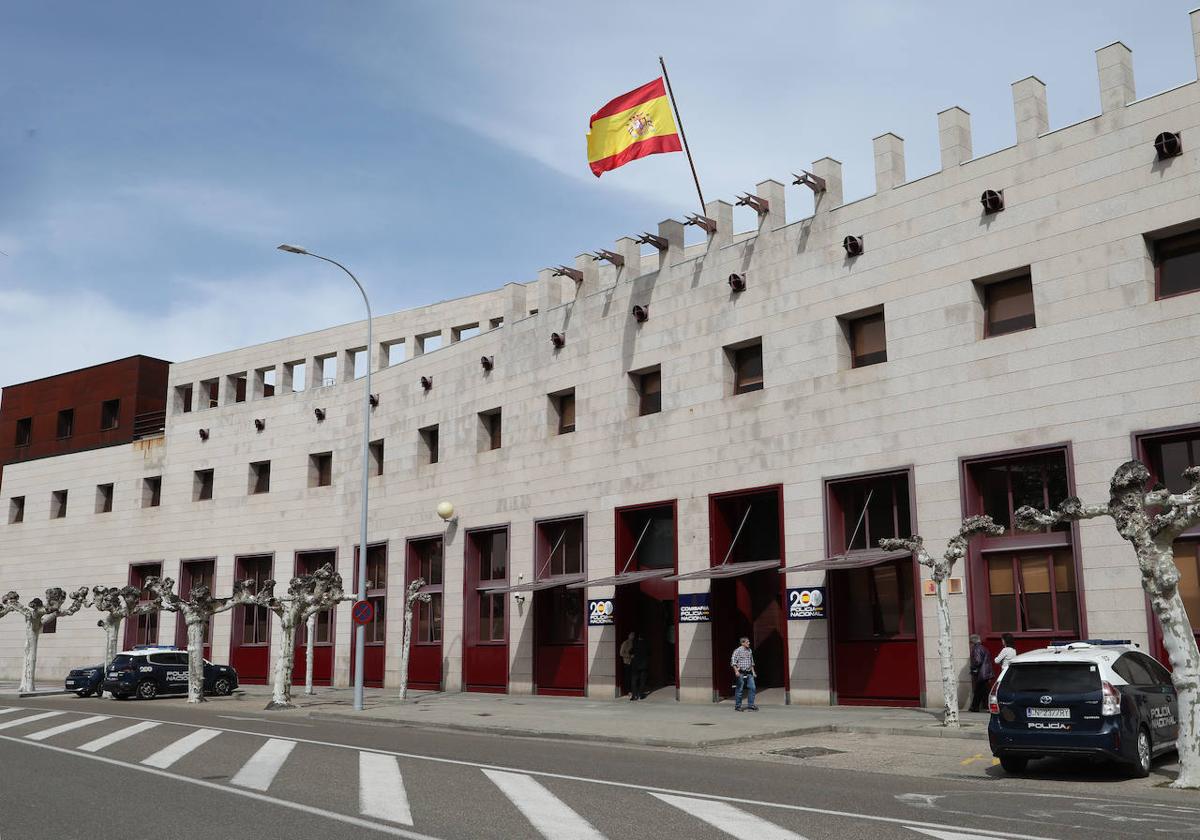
110,415
104,498
376,454
183,399
490,430
66,423
562,411
428,453
746,365
1007,305
210,392
649,390
867,337
152,491
1176,264
320,469
24,435
16,510
260,477
202,485
58,504
294,376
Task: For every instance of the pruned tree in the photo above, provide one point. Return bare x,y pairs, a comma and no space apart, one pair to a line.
414,594
1151,521
119,603
197,610
307,595
940,570
37,614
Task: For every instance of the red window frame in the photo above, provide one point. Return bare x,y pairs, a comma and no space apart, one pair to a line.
143,629
187,582
426,559
256,568
325,619
376,591
487,605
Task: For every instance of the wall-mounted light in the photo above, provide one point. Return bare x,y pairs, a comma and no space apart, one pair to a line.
203,434
737,282
853,245
445,510
640,313
487,362
992,201
259,424
426,382
374,400
1168,145
558,340
319,413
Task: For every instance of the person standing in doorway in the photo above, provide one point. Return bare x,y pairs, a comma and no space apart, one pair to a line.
1007,653
981,673
626,654
742,663
640,666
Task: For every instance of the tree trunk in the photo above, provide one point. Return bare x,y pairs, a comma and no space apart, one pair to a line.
405,646
1184,656
112,638
946,655
308,654
197,630
281,695
33,632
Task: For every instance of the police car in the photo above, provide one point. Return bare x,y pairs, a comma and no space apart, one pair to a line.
1095,698
85,681
147,672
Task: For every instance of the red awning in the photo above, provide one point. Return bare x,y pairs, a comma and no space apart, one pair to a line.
857,560
622,579
727,570
534,585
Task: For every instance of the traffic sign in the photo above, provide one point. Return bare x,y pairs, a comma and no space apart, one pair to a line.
362,612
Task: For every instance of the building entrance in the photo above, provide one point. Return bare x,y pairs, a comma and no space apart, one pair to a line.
425,654
644,600
307,562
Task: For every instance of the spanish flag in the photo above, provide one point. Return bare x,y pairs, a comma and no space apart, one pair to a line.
633,125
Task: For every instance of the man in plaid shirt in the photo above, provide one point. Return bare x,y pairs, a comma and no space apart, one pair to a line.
742,663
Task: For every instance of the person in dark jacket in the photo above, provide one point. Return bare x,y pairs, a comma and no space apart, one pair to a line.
981,673
640,666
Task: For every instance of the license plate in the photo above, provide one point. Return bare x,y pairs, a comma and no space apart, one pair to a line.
70,682
1048,713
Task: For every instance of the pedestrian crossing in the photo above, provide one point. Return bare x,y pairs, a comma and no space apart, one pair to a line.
519,804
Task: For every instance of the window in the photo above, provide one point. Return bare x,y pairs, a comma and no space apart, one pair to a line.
559,611
209,392
253,624
264,381
104,498
151,491
863,511
868,339
294,375
879,602
1032,591
1008,306
110,415
183,399
464,332
429,342
1177,264
490,426
24,432
560,548
649,389
562,411
66,423
16,510
260,478
425,562
1005,486
747,365
236,383
202,485
393,351
376,592
58,504
376,454
495,323
326,370
320,469
358,362
429,445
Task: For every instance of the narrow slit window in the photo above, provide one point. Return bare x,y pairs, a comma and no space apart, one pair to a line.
104,498
110,415
24,435
490,428
429,445
649,385
376,453
58,504
66,423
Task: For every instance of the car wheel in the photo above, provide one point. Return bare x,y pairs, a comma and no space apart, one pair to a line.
87,692
222,687
1141,765
120,696
1013,764
147,690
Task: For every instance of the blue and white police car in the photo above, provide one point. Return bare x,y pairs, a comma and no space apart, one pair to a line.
146,672
1095,698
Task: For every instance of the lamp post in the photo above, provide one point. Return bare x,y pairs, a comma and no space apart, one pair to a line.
360,633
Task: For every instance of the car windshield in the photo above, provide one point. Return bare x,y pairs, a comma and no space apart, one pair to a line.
121,659
1052,677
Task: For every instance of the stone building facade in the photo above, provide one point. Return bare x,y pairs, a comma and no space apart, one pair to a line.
691,418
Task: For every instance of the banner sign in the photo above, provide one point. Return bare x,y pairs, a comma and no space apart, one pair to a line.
806,604
601,613
694,608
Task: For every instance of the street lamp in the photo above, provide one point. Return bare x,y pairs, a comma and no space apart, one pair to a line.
360,633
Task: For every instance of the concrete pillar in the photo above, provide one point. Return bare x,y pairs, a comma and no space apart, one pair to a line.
283,383
672,231
514,302
1029,108
377,356
776,216
312,373
954,136
831,171
1195,18
591,272
549,290
226,390
628,248
345,366
889,162
1114,64
720,212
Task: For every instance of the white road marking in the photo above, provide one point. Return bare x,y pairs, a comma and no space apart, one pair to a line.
381,791
168,755
458,762
548,814
6,711
9,724
119,735
65,727
949,835
260,770
248,794
731,820
267,720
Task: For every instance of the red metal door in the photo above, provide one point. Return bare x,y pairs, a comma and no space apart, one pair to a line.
142,629
193,573
308,562
485,653
376,631
425,655
875,645
250,645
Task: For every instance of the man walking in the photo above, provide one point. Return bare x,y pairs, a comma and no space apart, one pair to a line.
742,663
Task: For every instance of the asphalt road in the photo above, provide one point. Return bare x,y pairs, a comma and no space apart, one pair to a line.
85,768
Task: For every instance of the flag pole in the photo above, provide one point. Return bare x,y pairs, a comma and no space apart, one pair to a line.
682,134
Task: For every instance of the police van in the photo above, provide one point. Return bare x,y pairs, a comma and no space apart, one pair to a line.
146,672
1095,698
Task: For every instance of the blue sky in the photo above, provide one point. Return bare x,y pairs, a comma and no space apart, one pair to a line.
153,154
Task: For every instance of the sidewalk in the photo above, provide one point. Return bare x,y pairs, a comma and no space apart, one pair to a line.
652,722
